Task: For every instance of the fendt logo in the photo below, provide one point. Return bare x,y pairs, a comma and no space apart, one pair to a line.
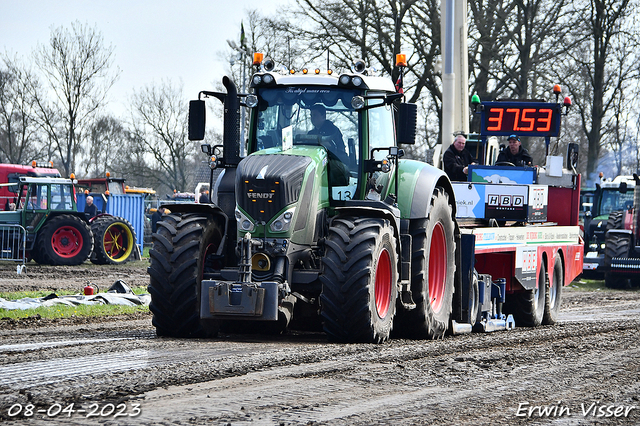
261,195
505,200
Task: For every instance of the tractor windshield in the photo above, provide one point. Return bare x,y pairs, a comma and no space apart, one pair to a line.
309,116
613,200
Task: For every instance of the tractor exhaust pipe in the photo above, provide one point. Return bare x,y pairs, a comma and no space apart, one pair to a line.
231,139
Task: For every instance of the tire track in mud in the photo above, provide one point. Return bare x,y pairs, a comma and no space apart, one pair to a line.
301,379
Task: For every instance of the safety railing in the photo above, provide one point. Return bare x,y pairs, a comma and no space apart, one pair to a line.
13,243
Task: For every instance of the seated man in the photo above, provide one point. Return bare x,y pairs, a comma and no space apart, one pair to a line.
90,209
456,160
335,147
515,153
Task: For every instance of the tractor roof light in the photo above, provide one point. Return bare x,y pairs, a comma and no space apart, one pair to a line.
359,66
268,79
401,60
268,64
257,58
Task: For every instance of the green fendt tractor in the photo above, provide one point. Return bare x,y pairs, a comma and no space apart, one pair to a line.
47,227
321,226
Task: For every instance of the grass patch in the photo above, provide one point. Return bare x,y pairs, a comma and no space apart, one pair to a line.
63,311
588,285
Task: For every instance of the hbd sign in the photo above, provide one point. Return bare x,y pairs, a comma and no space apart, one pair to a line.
505,201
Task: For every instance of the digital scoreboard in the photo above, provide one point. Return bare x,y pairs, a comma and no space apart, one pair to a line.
521,118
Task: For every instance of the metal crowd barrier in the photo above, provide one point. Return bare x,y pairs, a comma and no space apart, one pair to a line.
13,243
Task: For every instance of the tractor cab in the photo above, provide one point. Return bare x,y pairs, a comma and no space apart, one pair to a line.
347,121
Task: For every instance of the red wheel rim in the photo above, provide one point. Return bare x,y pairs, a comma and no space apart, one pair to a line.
66,241
114,241
437,267
383,284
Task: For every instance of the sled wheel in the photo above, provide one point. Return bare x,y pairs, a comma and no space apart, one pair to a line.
180,246
553,293
527,306
359,280
432,271
64,240
115,240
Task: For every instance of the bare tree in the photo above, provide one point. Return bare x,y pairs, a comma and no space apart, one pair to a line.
77,67
601,66
19,138
159,123
105,141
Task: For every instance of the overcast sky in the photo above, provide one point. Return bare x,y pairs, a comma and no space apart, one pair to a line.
153,39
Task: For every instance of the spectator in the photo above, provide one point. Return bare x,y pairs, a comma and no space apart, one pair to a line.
204,196
456,160
515,153
155,218
90,209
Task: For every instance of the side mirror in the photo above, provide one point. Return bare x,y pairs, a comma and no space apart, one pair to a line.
206,148
406,124
197,119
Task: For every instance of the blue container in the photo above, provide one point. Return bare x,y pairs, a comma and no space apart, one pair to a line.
127,206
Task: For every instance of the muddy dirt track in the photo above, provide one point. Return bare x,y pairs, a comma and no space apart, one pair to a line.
585,370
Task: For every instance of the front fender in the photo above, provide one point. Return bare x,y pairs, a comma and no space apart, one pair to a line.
417,183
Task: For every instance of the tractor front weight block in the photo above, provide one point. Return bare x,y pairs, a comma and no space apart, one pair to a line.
242,301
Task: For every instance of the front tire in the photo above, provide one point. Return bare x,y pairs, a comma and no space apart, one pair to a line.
64,240
432,271
359,280
616,245
180,246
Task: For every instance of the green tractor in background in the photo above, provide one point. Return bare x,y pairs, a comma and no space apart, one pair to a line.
311,230
47,227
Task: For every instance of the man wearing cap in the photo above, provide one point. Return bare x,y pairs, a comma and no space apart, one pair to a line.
515,153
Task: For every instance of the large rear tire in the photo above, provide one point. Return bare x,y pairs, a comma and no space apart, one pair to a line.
114,240
527,306
64,240
180,246
553,293
615,220
616,245
432,271
359,280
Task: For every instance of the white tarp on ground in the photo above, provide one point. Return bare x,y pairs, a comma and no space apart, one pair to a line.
118,294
